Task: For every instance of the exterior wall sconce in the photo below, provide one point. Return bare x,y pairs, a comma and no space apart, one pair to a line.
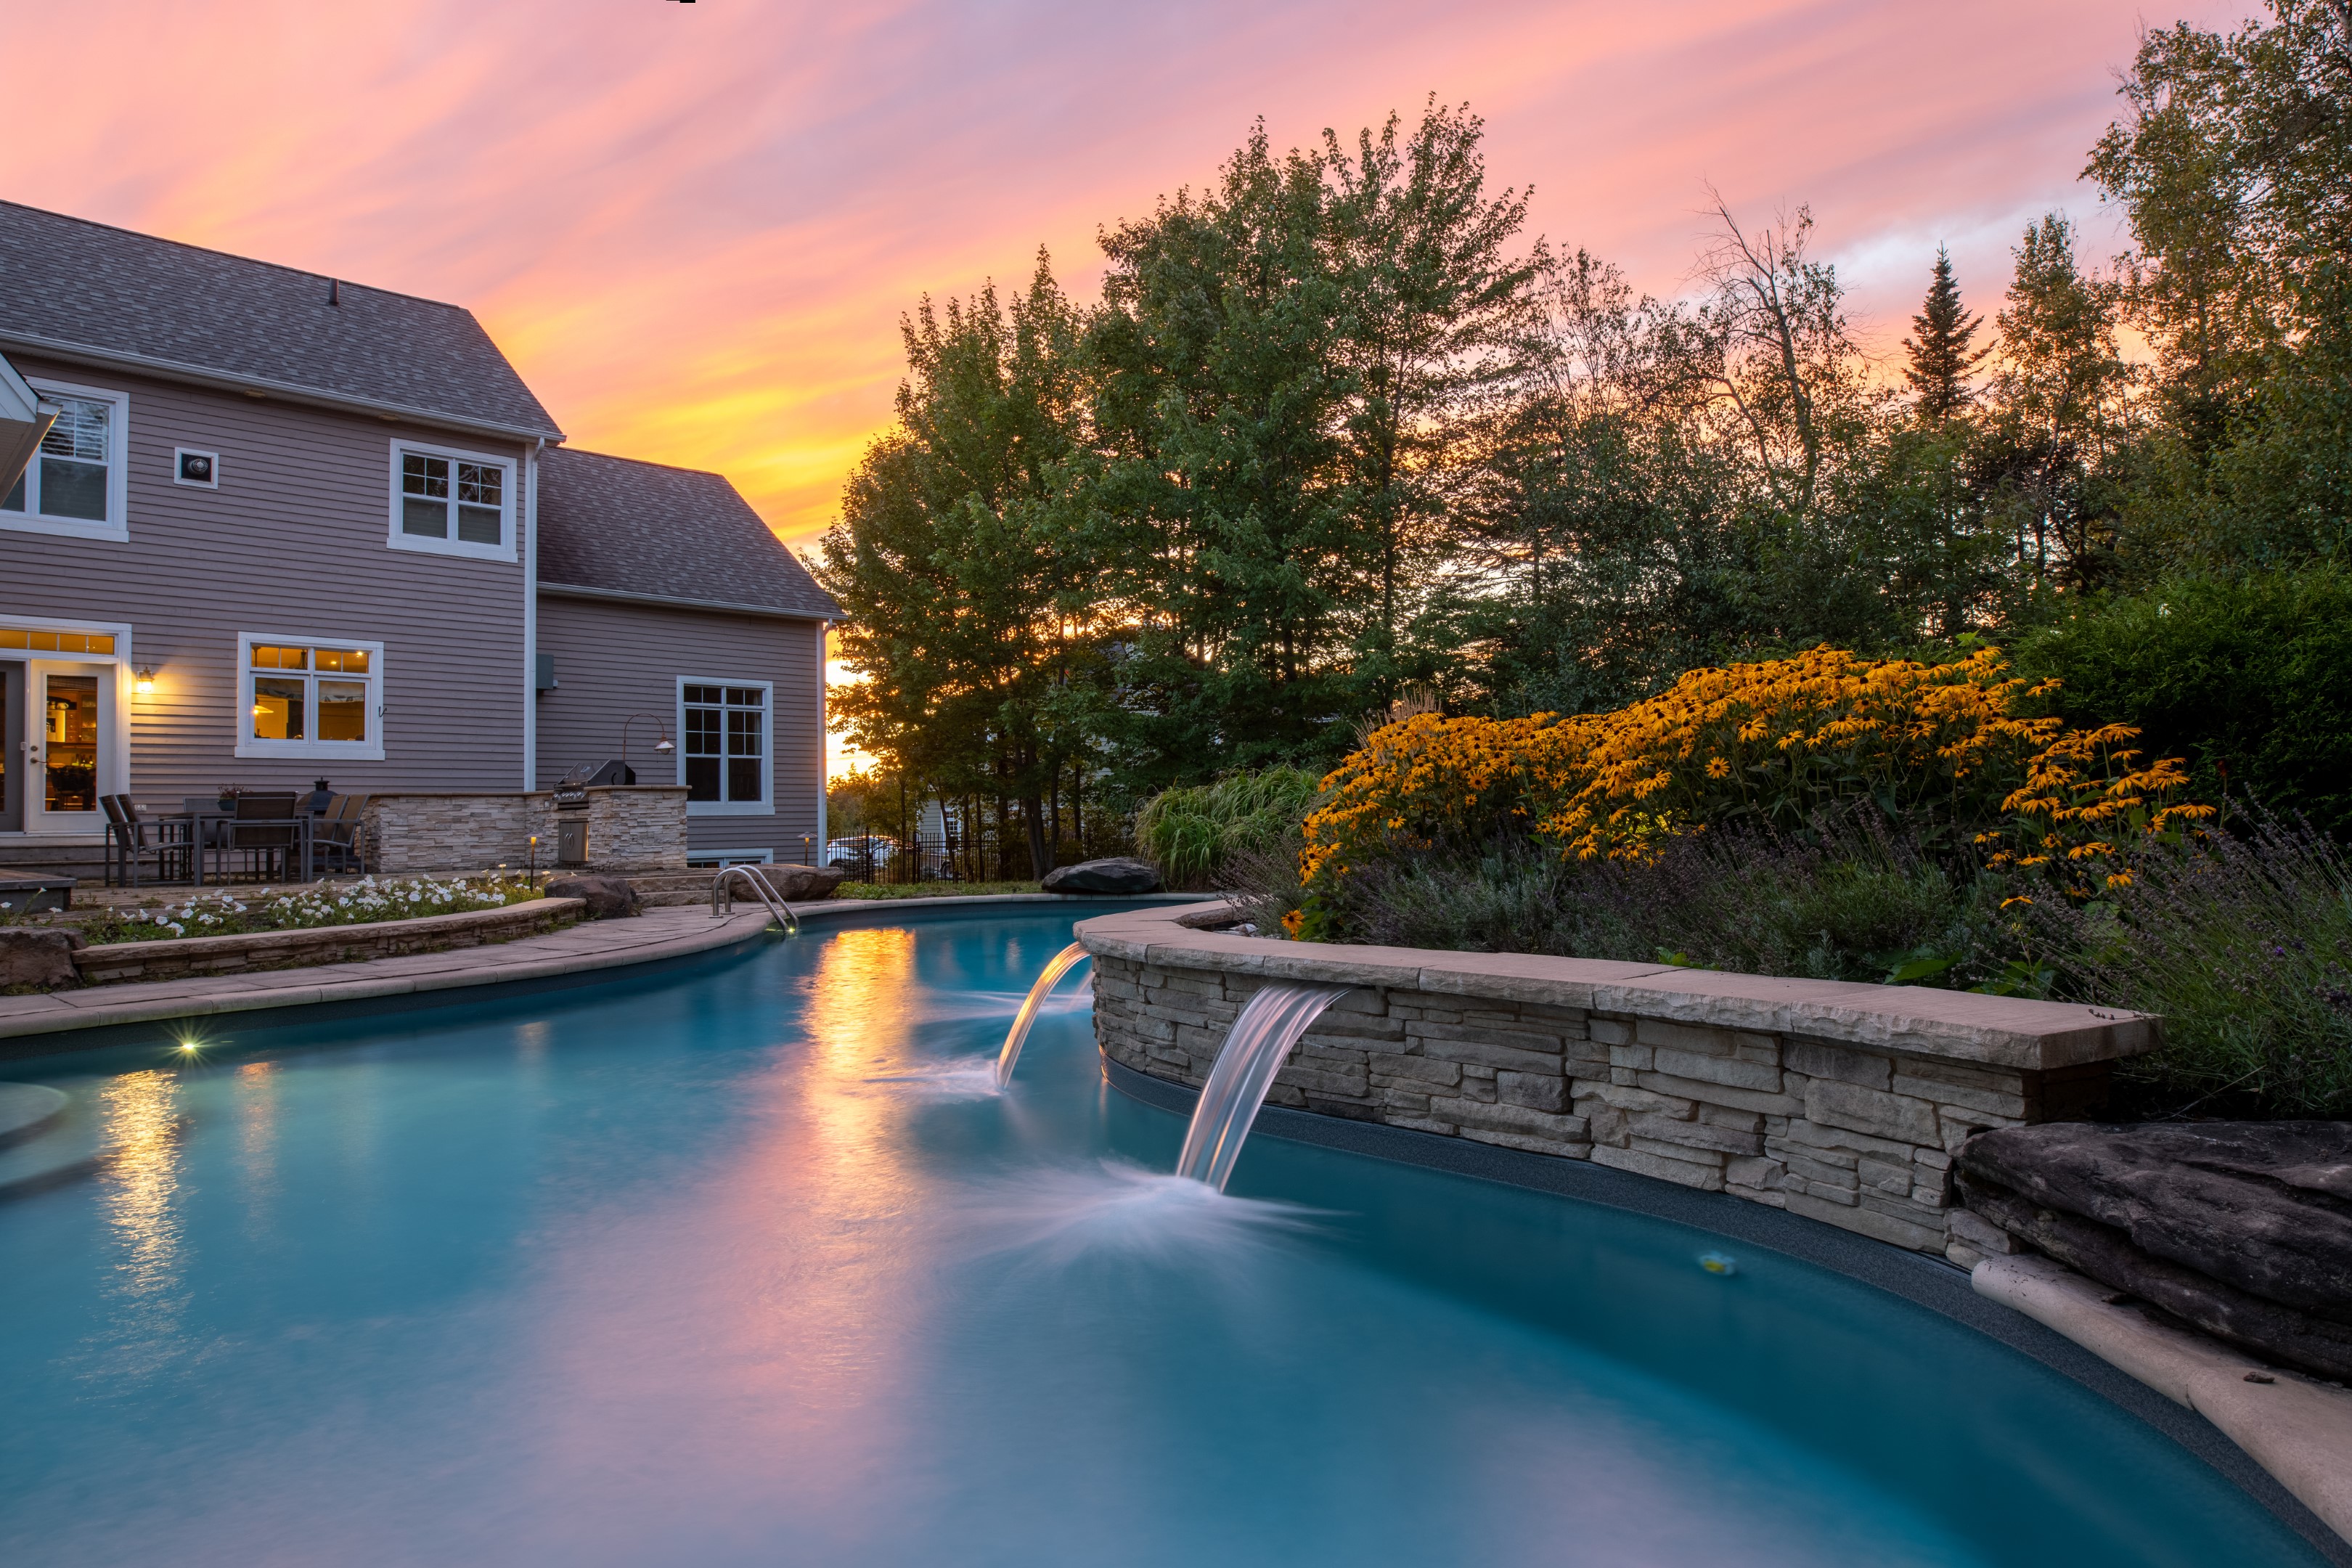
661,747
143,681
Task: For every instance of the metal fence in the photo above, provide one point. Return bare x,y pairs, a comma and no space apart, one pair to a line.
954,851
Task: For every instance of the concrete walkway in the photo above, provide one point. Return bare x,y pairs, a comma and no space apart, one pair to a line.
593,945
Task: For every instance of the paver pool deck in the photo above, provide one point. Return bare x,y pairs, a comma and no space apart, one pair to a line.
592,945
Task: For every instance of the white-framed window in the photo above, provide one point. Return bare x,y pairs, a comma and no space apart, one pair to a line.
723,745
717,858
300,697
452,502
74,486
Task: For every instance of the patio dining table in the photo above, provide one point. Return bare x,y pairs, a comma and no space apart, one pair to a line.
198,828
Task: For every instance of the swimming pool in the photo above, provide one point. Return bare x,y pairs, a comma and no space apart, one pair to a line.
746,1264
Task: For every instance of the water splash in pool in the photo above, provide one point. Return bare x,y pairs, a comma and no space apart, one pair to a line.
948,1080
1256,1048
1119,1210
1070,958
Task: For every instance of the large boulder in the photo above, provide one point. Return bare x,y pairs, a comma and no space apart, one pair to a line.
799,882
608,897
2243,1228
40,957
1118,874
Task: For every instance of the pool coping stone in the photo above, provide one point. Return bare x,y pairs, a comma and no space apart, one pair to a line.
2010,1032
58,1021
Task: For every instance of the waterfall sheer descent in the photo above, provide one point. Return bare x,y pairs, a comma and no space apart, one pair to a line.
1256,1048
1070,958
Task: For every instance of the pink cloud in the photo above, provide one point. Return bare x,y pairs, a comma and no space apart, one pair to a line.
695,228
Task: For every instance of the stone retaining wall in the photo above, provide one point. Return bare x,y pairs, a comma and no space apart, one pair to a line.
179,958
1840,1103
631,827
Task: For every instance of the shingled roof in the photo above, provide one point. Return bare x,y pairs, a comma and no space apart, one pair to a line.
617,526
83,289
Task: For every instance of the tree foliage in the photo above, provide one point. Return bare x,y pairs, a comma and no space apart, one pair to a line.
1942,356
1339,426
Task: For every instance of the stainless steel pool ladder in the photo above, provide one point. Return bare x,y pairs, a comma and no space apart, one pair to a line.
722,896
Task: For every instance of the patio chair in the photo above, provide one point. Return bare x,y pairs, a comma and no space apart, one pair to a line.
216,833
129,849
336,839
265,834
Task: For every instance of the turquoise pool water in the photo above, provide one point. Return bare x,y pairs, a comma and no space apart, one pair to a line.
747,1266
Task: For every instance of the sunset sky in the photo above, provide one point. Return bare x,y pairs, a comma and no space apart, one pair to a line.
693,227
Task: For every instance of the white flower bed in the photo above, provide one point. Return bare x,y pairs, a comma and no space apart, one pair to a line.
229,913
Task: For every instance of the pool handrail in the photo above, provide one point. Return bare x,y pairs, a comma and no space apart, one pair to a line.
722,896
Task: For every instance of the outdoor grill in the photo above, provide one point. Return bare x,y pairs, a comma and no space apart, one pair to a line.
571,807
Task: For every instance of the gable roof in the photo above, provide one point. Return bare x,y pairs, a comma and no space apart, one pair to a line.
82,289
617,528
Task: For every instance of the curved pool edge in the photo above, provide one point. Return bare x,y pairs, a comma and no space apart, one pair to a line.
103,1017
1931,1283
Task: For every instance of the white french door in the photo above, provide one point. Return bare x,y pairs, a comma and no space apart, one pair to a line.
69,746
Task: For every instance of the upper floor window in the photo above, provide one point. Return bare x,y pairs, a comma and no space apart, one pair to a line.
310,699
459,503
74,485
725,757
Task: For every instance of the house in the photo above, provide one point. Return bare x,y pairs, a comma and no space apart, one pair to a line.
285,527
662,596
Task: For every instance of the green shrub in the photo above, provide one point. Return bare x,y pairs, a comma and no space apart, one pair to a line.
2253,677
1193,834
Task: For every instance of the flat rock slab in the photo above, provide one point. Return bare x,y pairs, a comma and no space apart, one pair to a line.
2241,1228
607,898
804,881
39,955
1118,874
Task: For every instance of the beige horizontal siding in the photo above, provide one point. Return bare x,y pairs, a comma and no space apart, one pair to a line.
615,659
293,542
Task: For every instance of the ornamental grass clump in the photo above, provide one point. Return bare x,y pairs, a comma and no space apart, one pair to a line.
2243,945
232,913
1194,834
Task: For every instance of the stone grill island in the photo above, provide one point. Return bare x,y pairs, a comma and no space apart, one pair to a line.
1842,1102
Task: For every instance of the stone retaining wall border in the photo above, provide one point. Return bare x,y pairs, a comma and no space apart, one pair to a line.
177,958
1840,1102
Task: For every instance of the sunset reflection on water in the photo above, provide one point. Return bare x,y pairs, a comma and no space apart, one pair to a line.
754,1332
140,1114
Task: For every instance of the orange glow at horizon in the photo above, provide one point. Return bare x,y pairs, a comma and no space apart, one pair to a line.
694,229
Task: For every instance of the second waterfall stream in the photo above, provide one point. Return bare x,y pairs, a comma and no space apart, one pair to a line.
1257,1044
1261,1040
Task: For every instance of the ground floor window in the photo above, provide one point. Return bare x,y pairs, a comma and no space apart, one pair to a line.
726,733
306,698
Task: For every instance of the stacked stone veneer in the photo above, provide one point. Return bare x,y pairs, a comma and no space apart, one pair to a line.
1840,1103
631,827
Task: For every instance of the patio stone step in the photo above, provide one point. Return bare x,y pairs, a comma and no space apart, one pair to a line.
26,1110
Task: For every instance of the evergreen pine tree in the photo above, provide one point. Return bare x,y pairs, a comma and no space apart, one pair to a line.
1941,359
